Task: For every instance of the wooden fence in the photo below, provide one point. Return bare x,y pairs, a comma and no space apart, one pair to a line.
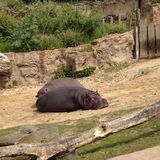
149,40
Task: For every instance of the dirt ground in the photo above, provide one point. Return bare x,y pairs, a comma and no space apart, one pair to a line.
146,154
132,87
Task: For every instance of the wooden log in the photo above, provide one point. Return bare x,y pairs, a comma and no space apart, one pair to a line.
45,151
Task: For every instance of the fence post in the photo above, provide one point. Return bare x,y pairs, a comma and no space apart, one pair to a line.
137,44
119,19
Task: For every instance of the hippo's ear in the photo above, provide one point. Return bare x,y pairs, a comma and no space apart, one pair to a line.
88,98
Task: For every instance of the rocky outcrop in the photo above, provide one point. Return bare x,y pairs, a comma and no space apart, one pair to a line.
156,13
118,6
5,71
38,66
150,12
114,49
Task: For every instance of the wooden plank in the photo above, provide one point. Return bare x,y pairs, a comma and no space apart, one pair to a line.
143,39
151,40
158,40
136,54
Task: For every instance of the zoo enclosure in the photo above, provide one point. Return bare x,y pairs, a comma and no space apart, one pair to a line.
147,33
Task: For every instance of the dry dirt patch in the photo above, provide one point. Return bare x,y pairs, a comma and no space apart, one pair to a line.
132,87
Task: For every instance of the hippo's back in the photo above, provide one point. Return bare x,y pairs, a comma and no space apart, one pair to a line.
62,99
61,82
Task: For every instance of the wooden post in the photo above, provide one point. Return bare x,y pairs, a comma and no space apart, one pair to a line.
119,19
151,40
111,19
157,27
143,39
137,43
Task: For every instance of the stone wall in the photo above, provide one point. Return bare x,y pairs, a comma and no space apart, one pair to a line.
37,66
150,12
114,49
117,7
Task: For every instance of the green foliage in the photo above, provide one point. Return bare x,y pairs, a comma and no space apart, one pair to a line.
84,48
24,35
69,38
40,26
5,45
49,42
116,68
6,25
14,4
155,1
62,72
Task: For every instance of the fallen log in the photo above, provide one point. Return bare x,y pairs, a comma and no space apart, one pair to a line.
46,150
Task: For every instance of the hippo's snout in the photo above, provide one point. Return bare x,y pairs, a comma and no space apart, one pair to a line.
104,103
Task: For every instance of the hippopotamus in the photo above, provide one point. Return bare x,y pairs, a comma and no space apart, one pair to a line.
61,82
70,98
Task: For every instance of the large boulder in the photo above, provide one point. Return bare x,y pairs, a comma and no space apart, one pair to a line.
114,49
5,71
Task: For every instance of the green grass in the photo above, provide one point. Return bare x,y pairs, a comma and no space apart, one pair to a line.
85,48
116,68
4,132
127,141
154,1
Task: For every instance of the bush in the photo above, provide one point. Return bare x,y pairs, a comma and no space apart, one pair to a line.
51,25
116,28
62,72
6,25
5,45
45,16
155,1
14,4
24,36
49,42
69,38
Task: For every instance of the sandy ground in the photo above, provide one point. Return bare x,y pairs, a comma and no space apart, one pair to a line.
146,154
132,87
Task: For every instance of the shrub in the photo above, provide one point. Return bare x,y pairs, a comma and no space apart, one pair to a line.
155,1
116,28
24,36
62,72
14,4
51,25
6,25
5,45
45,17
69,38
49,42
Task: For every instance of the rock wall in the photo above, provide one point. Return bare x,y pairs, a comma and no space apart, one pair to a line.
5,70
150,12
37,66
117,7
114,49
156,13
